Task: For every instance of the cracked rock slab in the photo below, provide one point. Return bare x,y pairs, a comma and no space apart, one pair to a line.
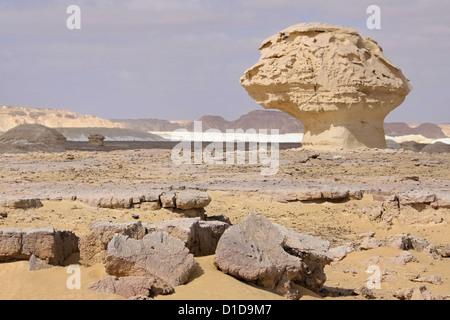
157,254
132,286
272,256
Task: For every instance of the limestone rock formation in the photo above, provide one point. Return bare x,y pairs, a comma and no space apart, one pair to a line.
337,82
273,256
47,244
32,137
130,287
158,254
93,246
200,237
96,140
54,118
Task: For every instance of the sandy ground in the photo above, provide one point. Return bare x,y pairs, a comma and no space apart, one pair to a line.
235,192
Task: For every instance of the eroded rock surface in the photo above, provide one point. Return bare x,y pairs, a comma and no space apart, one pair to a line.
273,256
157,254
337,82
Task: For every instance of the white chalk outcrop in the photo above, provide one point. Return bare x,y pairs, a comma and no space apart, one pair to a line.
335,81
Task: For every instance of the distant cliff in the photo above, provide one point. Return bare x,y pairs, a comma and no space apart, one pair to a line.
11,117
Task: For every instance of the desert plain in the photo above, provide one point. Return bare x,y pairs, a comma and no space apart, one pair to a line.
355,189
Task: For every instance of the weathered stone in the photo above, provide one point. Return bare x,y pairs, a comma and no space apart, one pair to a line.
406,242
369,243
132,286
444,201
94,245
403,258
416,293
309,195
340,252
11,245
47,244
35,264
110,202
200,237
153,205
219,217
167,199
157,254
151,196
21,204
366,234
390,209
191,199
345,110
416,197
96,140
444,250
433,279
356,194
272,256
365,292
334,194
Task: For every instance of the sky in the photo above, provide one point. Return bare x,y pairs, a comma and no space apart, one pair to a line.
182,59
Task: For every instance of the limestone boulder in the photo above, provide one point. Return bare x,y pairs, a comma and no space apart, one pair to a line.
200,237
158,254
191,199
132,286
272,256
21,203
49,245
93,246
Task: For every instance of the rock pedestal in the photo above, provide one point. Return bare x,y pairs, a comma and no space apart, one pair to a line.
335,81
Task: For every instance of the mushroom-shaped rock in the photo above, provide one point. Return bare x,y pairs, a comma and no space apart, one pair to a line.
335,81
96,140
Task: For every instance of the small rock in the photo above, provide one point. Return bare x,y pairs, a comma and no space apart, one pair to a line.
369,243
356,194
444,251
150,205
191,199
96,140
130,287
135,216
365,292
352,271
93,246
340,252
167,199
403,258
433,279
303,159
369,234
220,217
35,264
157,254
200,237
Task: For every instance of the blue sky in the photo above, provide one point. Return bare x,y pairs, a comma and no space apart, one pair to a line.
181,59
